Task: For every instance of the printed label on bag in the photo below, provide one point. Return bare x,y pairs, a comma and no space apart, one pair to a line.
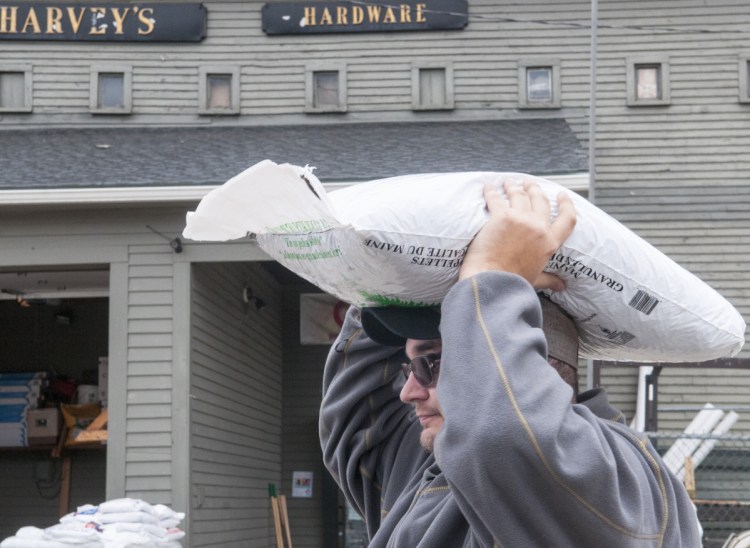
300,227
577,269
643,302
421,255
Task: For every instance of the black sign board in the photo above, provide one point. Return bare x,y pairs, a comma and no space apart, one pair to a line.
103,22
364,16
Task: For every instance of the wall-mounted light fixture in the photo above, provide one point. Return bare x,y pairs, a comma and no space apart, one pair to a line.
174,243
248,297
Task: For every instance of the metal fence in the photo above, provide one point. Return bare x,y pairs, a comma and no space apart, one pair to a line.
716,471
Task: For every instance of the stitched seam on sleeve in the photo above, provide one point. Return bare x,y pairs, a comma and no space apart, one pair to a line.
387,370
660,478
367,475
344,365
349,342
530,433
368,432
428,490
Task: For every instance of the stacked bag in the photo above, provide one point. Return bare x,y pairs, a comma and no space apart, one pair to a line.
19,392
118,523
401,241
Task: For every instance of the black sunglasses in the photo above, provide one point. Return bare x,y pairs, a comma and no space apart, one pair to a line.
425,369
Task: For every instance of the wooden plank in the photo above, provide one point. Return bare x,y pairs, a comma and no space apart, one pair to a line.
65,484
723,510
689,477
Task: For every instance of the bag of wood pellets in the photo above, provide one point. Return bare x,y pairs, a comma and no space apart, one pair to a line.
401,240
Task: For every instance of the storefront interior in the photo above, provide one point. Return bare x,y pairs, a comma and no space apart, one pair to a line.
55,324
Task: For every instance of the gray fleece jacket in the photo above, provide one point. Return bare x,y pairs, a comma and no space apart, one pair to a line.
515,464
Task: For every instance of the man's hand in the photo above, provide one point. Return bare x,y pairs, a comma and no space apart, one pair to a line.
518,236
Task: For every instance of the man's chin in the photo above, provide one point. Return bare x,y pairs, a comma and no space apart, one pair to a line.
427,440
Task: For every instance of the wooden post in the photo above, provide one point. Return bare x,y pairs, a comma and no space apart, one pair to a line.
690,477
276,515
65,484
285,519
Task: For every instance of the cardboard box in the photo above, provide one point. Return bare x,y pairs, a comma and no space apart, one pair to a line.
43,426
77,418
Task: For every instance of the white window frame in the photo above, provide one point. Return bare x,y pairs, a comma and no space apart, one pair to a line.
127,85
203,73
744,69
27,86
632,92
310,71
416,94
523,95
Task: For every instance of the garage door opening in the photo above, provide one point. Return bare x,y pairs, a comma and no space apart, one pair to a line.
53,355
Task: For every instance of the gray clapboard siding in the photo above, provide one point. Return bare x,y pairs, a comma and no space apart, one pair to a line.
148,438
303,381
693,388
165,79
144,441
676,174
621,388
235,412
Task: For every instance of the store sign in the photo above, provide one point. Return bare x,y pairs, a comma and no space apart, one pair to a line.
364,16
103,22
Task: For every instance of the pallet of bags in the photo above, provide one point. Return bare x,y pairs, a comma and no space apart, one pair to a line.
13,433
19,393
117,523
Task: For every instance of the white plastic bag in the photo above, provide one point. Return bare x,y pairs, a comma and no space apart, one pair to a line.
401,241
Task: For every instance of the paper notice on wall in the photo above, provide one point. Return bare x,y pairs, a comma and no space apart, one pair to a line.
321,318
302,484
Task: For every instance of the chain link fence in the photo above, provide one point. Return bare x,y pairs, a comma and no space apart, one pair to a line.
715,468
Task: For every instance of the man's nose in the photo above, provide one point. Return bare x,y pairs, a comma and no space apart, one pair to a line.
413,391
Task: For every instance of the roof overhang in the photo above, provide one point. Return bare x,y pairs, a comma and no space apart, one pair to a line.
173,195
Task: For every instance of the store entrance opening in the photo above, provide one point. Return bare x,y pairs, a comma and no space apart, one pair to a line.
53,354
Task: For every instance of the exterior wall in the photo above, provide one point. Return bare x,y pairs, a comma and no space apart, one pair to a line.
165,78
149,436
161,449
303,381
142,439
677,174
31,485
235,409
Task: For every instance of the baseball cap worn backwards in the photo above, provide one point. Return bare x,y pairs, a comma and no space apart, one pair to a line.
392,325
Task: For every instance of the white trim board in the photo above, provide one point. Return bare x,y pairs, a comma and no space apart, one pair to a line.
159,195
